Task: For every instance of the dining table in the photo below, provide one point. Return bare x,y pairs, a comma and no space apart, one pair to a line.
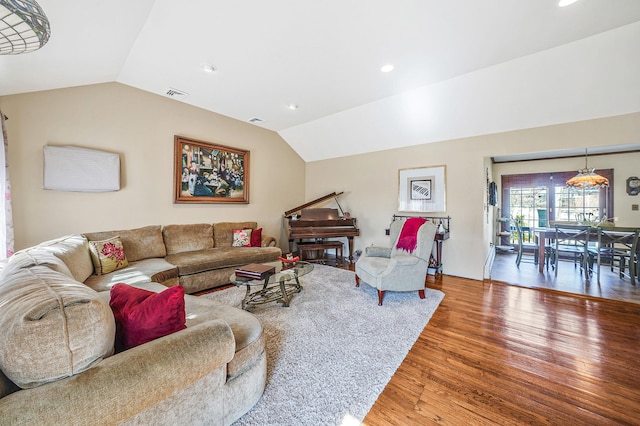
548,234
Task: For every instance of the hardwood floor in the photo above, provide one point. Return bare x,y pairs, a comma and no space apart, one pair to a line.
569,279
501,354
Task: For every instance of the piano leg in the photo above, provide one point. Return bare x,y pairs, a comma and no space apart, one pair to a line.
350,241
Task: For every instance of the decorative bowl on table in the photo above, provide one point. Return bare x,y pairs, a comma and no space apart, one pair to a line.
289,261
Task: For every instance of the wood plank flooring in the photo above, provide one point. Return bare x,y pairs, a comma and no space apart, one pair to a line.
569,279
500,354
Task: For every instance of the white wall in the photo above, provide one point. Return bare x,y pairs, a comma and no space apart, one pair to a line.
370,181
140,127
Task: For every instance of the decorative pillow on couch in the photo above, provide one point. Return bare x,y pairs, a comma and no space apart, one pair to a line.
256,237
223,232
107,255
241,238
142,315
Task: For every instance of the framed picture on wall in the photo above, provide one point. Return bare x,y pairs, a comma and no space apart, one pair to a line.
422,190
208,173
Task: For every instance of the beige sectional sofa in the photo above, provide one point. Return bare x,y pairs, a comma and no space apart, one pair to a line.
57,333
196,256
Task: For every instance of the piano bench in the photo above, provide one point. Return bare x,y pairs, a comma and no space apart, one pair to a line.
305,250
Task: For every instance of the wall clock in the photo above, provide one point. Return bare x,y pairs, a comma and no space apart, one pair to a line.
633,185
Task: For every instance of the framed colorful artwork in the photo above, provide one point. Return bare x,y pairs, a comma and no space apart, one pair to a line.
209,173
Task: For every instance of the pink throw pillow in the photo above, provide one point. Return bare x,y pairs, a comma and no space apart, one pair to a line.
142,315
241,237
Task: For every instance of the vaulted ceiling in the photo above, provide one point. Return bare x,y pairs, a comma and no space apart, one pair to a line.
461,67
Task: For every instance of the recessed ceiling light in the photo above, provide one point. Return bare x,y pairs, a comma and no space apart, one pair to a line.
387,68
293,106
208,68
563,3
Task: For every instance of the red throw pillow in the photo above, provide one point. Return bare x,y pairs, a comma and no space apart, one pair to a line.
256,237
142,315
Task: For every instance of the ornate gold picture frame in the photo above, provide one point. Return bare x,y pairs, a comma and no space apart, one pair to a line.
210,173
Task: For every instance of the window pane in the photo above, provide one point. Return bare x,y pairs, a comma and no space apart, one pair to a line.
529,207
577,205
559,203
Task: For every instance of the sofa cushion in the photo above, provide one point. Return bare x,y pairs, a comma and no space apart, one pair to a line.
134,388
156,269
246,327
142,316
194,262
51,326
223,231
107,255
181,238
72,250
36,256
139,243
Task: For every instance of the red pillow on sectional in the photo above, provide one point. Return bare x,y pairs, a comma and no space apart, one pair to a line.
142,315
256,237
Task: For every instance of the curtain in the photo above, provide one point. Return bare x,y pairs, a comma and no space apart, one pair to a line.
6,219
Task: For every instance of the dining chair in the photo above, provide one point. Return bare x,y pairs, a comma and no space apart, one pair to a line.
618,243
550,251
573,239
521,245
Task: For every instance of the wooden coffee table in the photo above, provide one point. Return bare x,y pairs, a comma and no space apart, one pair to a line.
280,287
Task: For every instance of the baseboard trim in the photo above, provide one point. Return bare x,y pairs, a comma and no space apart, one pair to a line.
488,263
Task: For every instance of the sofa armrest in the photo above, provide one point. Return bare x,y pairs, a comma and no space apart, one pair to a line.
268,241
125,384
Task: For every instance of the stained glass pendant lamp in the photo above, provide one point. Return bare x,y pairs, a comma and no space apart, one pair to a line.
587,178
23,27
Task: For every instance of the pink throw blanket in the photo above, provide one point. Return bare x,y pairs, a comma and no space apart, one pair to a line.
408,235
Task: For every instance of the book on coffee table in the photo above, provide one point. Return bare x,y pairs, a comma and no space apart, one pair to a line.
255,271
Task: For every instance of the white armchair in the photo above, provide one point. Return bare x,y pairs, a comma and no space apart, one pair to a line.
394,269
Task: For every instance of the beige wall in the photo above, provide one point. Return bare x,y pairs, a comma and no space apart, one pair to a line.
140,127
370,181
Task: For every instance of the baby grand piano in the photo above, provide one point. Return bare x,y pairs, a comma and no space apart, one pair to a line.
304,223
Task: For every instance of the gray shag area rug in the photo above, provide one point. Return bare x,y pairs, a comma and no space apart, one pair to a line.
332,352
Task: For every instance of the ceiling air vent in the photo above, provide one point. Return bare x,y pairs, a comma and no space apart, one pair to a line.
175,93
255,120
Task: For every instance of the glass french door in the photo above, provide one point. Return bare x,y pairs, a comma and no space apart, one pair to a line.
529,207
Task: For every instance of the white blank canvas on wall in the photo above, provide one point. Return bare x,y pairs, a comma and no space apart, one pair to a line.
68,168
